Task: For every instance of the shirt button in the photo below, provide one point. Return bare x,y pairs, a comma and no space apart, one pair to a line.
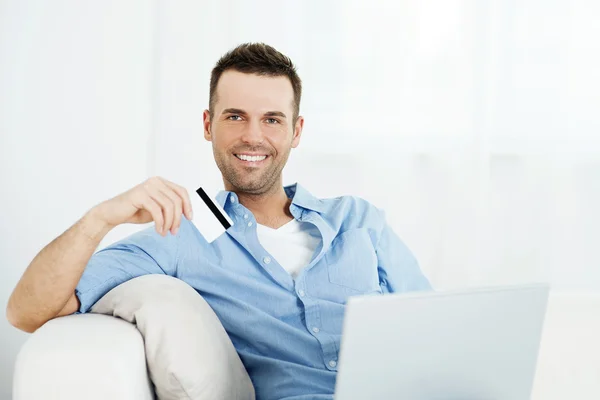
301,293
332,364
316,330
232,199
245,216
249,223
267,260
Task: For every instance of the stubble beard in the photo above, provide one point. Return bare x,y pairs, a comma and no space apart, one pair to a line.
260,183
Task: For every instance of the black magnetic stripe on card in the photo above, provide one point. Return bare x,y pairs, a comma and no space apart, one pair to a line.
217,213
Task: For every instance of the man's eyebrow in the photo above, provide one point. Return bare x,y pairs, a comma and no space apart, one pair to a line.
275,114
233,111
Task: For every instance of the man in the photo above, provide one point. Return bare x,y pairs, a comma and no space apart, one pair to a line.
279,278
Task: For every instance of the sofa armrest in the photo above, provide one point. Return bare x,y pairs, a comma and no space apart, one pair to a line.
84,356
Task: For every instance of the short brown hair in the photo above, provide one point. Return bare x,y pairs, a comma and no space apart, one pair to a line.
259,59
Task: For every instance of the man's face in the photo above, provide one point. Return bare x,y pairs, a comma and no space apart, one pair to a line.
252,130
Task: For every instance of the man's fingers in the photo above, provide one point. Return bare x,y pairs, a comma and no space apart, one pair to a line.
156,211
167,208
185,197
177,203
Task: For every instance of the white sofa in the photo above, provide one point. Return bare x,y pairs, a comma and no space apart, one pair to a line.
88,356
100,357
167,343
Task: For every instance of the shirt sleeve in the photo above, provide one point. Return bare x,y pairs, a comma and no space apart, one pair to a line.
143,253
398,268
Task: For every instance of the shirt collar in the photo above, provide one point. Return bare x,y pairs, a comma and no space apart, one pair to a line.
303,198
300,197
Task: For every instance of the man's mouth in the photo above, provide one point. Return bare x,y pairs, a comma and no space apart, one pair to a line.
249,159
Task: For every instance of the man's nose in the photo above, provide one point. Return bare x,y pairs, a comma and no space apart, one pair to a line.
253,134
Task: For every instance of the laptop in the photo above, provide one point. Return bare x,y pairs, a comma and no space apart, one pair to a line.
479,344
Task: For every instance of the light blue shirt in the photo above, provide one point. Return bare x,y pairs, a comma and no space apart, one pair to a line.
287,332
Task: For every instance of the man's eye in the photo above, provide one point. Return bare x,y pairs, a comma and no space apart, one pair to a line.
272,121
234,118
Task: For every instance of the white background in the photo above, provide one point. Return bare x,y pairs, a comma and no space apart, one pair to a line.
474,124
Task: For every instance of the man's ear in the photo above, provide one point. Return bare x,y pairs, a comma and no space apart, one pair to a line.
298,126
206,123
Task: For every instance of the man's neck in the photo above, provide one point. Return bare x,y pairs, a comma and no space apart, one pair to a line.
271,209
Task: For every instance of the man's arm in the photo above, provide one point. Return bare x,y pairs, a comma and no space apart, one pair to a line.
47,288
71,306
397,264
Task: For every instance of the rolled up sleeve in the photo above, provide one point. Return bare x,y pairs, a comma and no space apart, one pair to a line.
143,253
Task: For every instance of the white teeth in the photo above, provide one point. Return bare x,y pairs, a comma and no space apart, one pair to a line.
250,158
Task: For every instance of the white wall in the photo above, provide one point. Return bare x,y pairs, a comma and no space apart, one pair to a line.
473,123
75,118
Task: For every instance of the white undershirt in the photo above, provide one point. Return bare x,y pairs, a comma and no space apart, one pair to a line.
292,245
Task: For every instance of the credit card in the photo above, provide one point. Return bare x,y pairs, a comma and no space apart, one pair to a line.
209,217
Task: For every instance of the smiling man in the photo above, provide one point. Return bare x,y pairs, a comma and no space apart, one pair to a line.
278,279
253,124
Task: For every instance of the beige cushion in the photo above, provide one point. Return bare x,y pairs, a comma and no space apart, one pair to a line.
188,352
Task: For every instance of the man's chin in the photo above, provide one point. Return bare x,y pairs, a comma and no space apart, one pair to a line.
249,182
252,187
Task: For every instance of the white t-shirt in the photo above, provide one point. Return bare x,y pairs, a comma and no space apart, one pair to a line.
292,245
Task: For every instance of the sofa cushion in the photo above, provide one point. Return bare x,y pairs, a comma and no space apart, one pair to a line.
188,352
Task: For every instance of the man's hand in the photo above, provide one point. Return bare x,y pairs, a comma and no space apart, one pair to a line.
156,200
